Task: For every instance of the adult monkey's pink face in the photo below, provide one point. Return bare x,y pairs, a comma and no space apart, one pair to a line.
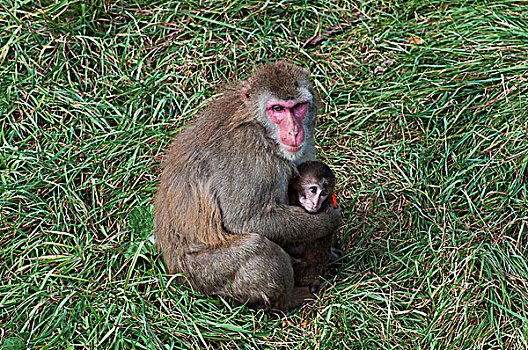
288,116
284,102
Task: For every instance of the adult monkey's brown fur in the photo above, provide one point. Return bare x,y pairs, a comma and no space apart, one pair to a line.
221,210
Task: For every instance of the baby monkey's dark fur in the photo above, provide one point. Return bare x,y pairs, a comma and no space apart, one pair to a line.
310,259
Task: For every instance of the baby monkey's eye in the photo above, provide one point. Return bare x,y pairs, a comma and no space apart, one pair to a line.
324,193
313,189
278,108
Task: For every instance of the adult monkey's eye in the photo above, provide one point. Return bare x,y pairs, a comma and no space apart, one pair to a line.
278,108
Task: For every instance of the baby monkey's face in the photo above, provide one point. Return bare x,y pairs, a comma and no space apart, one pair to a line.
314,193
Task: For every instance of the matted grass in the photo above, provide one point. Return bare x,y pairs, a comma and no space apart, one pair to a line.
425,123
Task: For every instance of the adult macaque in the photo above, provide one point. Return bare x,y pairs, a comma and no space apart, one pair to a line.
221,209
312,189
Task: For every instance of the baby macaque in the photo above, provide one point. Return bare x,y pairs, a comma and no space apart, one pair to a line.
313,187
312,190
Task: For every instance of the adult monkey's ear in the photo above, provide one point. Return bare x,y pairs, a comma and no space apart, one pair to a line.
316,100
245,92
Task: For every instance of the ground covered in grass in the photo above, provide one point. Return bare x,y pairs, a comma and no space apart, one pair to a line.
424,122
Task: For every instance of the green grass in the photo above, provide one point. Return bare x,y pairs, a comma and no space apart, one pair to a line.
424,122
